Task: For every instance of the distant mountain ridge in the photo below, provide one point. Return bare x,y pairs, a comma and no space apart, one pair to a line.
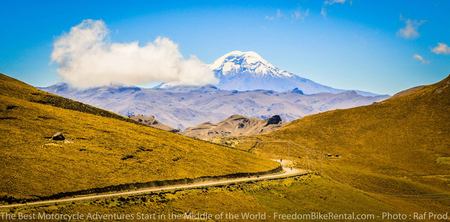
181,107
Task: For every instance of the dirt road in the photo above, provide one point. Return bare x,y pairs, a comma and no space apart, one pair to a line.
287,172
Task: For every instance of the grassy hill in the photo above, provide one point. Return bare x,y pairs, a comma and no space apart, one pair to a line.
395,149
405,134
101,148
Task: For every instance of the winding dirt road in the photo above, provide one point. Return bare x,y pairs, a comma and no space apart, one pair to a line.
287,172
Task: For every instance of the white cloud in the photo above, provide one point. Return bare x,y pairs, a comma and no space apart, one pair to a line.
332,2
411,29
86,59
441,48
278,15
327,3
296,15
420,59
299,14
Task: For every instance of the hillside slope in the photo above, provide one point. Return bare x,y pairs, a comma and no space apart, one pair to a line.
398,147
414,126
100,149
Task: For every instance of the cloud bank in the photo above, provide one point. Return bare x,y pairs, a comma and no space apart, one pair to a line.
85,58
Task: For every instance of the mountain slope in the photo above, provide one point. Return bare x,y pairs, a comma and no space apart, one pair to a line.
242,71
405,127
235,125
100,148
398,148
182,107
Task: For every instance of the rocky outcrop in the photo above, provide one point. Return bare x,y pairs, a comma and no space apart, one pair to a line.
297,91
276,119
58,136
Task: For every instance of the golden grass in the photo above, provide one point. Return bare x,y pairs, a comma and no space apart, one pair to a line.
98,151
301,195
391,157
393,147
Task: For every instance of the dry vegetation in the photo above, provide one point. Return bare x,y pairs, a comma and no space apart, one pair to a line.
391,156
396,150
100,149
300,195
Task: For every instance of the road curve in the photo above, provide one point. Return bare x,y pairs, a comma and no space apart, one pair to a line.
287,172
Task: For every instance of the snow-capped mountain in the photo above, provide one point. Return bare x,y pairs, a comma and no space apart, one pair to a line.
249,85
242,71
250,63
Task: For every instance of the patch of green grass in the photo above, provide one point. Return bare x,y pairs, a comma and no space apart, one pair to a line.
443,160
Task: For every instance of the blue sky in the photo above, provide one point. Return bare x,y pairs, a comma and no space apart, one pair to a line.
378,46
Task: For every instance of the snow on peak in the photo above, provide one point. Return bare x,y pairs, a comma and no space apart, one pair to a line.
236,62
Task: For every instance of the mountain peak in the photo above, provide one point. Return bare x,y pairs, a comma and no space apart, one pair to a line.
249,62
